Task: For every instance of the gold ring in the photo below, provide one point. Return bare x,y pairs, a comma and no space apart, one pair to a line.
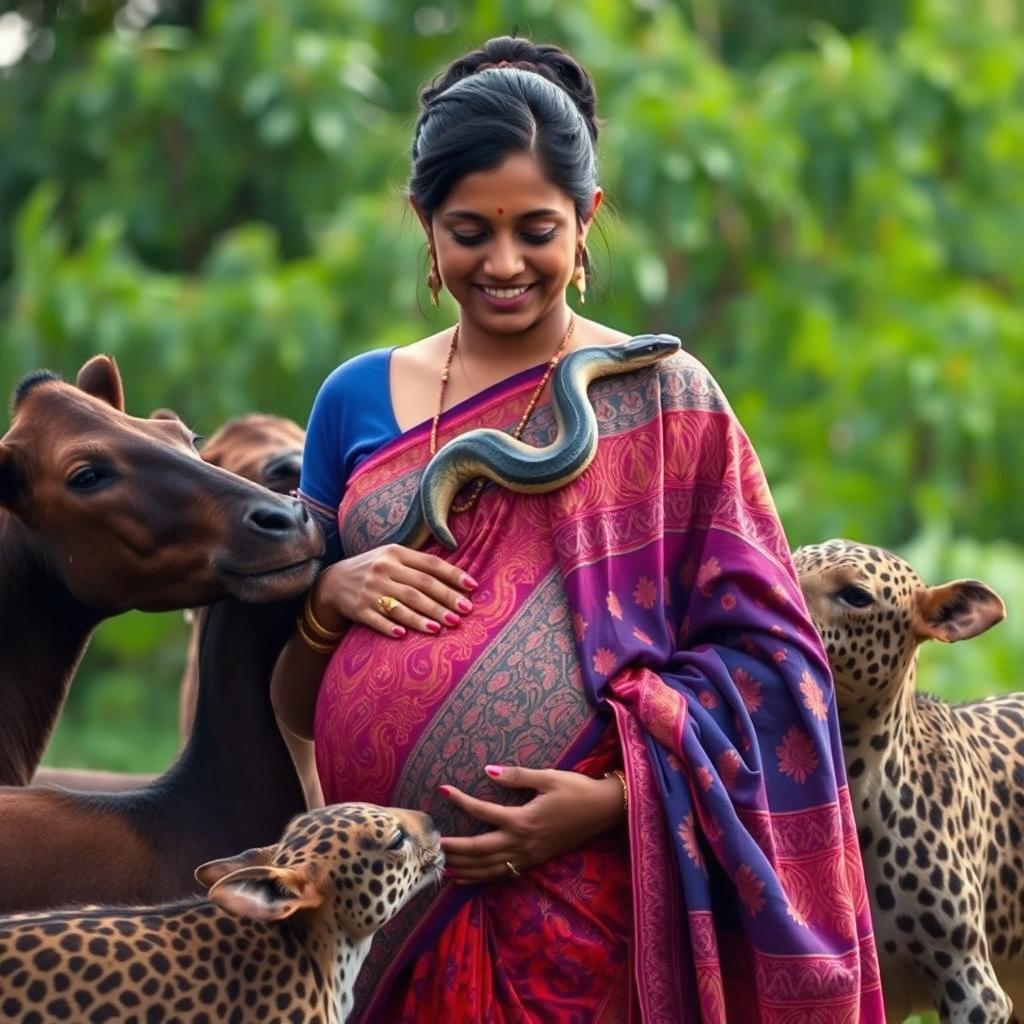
386,604
512,868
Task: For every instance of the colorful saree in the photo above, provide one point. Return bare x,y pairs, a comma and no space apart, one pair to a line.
645,616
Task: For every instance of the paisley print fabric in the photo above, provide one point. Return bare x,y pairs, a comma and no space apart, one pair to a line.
650,602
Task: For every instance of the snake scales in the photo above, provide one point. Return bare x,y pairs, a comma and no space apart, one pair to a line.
521,467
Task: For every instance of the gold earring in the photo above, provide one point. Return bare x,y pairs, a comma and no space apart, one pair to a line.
579,279
433,280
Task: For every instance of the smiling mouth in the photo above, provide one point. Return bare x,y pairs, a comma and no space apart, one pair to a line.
505,293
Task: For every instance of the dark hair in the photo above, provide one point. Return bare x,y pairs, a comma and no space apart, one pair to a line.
509,96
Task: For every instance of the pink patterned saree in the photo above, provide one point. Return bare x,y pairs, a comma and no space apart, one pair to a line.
645,617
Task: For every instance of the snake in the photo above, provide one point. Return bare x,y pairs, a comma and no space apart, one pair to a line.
515,465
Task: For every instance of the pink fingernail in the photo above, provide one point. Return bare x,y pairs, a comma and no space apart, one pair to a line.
451,618
469,583
432,627
463,605
397,631
445,790
493,770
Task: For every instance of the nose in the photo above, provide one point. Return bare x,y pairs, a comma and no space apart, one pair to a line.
274,519
504,259
281,473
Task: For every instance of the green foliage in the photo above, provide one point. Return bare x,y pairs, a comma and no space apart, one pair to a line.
125,717
823,199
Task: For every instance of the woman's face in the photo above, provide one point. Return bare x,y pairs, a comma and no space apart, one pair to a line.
506,242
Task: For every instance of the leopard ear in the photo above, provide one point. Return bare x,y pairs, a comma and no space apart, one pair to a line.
266,893
957,611
214,870
100,378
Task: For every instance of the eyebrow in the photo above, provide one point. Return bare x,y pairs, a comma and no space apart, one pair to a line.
473,215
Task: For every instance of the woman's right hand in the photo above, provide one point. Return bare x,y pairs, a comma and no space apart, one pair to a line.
430,592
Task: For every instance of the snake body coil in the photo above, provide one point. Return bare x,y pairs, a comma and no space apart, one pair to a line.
521,467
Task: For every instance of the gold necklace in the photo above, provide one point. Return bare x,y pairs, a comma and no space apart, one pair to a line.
466,505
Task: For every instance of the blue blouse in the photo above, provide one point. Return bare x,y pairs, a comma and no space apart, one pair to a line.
351,418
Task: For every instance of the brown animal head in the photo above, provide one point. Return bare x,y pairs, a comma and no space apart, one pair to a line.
130,516
873,611
355,865
262,448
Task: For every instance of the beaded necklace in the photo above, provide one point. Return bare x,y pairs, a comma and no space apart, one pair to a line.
466,505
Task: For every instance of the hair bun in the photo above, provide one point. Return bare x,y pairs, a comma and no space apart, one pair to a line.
547,60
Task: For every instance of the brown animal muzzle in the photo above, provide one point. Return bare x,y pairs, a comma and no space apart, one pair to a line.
276,521
281,473
273,554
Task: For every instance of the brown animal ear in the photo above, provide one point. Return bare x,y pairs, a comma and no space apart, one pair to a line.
12,477
957,611
100,378
266,893
214,870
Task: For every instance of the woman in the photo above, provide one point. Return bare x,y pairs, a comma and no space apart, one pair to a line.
631,649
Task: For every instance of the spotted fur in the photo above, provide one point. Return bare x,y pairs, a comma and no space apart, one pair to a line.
280,937
938,789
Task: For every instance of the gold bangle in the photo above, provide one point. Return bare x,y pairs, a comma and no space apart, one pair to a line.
313,645
314,627
621,776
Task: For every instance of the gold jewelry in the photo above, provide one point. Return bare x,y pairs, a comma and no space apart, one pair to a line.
313,645
386,604
466,505
512,868
309,620
622,782
316,637
579,277
433,280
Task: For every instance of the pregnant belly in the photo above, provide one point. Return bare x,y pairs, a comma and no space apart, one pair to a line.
397,718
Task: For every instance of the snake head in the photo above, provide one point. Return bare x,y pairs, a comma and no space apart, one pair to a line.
645,349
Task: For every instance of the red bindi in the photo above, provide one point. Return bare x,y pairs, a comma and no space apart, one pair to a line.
500,211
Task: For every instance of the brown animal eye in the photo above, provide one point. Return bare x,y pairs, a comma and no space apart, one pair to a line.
855,596
89,478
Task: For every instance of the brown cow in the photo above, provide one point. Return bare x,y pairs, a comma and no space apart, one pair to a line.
263,448
101,512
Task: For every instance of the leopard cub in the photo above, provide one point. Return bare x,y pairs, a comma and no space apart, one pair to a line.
280,936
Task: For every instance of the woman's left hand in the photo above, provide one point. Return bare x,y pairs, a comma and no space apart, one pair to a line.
568,809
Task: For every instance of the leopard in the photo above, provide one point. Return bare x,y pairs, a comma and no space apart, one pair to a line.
937,788
280,934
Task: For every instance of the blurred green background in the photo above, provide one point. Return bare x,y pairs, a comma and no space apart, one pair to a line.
824,199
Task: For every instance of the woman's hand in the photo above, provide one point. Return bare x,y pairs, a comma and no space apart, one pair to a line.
568,810
430,592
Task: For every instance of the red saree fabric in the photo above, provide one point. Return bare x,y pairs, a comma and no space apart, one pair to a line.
655,591
551,946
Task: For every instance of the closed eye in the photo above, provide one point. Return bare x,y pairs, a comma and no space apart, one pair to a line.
397,841
530,237
856,597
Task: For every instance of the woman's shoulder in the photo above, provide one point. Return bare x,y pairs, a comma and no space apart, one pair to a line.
353,375
688,382
680,365
424,352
